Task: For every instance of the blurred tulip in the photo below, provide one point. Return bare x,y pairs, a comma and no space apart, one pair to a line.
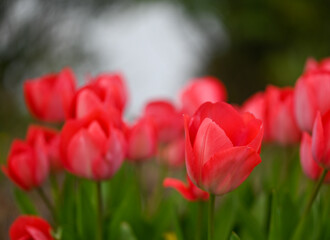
49,97
321,140
92,147
106,92
201,90
52,142
312,94
172,154
168,121
189,192
142,140
28,161
280,122
222,147
30,228
312,64
309,165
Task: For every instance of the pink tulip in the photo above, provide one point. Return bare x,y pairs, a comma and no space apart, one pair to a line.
222,147
92,147
321,140
189,192
49,97
172,154
167,119
30,228
201,90
311,95
312,64
142,140
309,165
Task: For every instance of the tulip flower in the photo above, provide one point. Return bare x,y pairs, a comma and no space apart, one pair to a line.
189,192
91,147
172,154
49,97
106,92
312,64
30,228
321,139
311,95
222,147
280,122
52,141
309,165
142,140
167,119
28,161
201,90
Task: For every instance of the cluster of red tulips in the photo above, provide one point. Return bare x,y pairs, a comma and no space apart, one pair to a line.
217,143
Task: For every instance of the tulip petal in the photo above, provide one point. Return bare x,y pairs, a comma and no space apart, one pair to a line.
35,233
318,144
87,101
253,132
180,187
227,169
210,139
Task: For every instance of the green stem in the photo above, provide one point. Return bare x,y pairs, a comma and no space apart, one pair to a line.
199,221
300,226
100,210
314,193
55,188
211,217
48,204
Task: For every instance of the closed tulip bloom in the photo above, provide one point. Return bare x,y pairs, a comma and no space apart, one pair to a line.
321,140
312,64
189,192
27,162
167,119
172,154
91,147
51,138
222,147
49,97
308,164
311,95
201,90
30,228
280,121
141,140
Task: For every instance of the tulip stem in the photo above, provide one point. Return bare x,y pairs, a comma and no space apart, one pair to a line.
48,204
99,210
300,226
211,217
199,221
314,193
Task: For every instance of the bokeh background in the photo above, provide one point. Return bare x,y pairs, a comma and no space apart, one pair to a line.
158,45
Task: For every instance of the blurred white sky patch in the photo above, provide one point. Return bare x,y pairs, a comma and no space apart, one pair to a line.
156,46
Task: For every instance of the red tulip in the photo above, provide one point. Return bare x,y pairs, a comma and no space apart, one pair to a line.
48,97
92,147
172,154
106,92
142,140
312,64
28,161
168,121
222,147
309,165
52,140
30,228
201,90
311,95
321,140
189,192
280,122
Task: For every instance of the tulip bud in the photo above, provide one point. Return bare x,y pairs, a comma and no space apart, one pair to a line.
49,97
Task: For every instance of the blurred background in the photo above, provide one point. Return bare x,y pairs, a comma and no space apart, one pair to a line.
158,45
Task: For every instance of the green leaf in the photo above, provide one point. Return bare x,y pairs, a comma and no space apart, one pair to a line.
126,232
234,236
24,202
